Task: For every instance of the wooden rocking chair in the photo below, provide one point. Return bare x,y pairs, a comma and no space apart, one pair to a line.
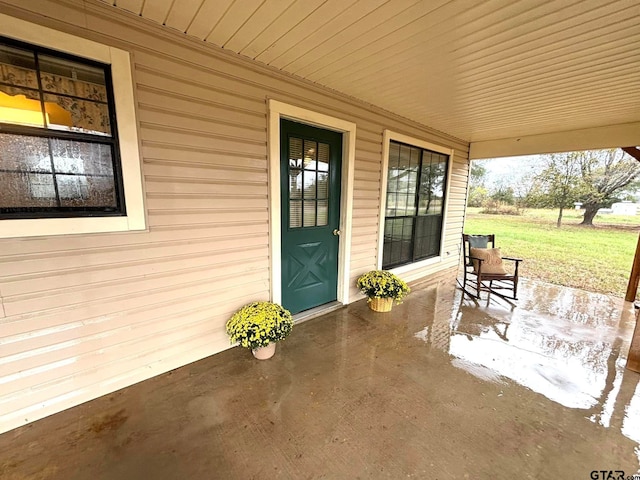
484,269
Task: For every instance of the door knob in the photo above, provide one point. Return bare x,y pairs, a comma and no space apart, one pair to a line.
336,231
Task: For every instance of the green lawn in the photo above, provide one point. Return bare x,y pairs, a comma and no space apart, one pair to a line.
596,259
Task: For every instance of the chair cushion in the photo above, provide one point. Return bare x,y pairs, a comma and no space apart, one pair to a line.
492,260
478,241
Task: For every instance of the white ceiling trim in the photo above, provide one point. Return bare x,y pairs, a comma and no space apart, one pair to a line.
612,136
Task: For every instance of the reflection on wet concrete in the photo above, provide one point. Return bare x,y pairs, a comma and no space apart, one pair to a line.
442,387
565,344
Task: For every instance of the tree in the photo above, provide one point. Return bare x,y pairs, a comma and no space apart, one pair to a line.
478,173
605,175
559,183
477,191
504,194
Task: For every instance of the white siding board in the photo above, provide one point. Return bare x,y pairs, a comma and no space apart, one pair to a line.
184,104
129,306
191,259
174,136
200,123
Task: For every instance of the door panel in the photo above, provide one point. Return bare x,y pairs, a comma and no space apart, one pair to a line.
310,205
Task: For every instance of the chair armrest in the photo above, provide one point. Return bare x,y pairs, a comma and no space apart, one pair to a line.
513,259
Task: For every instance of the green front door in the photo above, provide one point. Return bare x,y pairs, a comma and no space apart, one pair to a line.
310,163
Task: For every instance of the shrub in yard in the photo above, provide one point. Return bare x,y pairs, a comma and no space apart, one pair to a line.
494,207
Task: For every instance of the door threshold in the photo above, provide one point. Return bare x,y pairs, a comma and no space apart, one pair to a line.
316,311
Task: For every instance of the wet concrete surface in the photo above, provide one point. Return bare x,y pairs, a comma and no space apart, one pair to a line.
440,388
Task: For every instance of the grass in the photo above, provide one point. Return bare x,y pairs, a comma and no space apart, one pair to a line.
596,259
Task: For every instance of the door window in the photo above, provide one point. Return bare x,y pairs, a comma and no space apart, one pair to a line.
308,171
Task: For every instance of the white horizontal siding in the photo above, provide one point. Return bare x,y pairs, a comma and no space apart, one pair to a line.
84,315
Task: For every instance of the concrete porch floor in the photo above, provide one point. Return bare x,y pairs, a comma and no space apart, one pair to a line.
440,388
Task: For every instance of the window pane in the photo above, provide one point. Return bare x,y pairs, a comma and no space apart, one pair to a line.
67,113
323,185
22,153
323,157
20,106
84,191
92,184
295,152
82,172
309,213
295,214
428,236
309,185
18,67
392,181
310,153
82,157
391,205
323,213
432,187
67,77
295,183
26,190
394,154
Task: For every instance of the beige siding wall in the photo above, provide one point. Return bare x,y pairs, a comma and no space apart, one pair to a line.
84,315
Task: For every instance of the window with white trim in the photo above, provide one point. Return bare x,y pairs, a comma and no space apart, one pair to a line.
59,153
415,201
69,149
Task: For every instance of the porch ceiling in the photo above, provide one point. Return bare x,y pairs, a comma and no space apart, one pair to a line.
477,70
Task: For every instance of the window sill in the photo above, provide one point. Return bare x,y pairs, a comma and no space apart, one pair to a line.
34,227
416,266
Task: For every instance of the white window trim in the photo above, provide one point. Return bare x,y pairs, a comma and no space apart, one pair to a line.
278,110
387,137
127,134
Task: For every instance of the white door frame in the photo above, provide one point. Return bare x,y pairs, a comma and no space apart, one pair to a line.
276,111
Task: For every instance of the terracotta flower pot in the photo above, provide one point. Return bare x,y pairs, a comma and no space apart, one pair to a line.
381,304
264,353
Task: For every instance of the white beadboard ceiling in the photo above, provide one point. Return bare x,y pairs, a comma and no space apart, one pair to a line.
479,70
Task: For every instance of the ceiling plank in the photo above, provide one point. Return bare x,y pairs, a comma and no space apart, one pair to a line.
377,38
254,26
345,21
237,14
133,6
207,17
280,26
360,28
182,14
156,10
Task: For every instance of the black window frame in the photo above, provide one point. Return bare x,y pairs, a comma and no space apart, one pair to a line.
15,213
416,256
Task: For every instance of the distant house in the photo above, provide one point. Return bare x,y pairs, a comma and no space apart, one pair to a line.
624,208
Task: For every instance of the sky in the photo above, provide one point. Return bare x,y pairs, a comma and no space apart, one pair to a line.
509,169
